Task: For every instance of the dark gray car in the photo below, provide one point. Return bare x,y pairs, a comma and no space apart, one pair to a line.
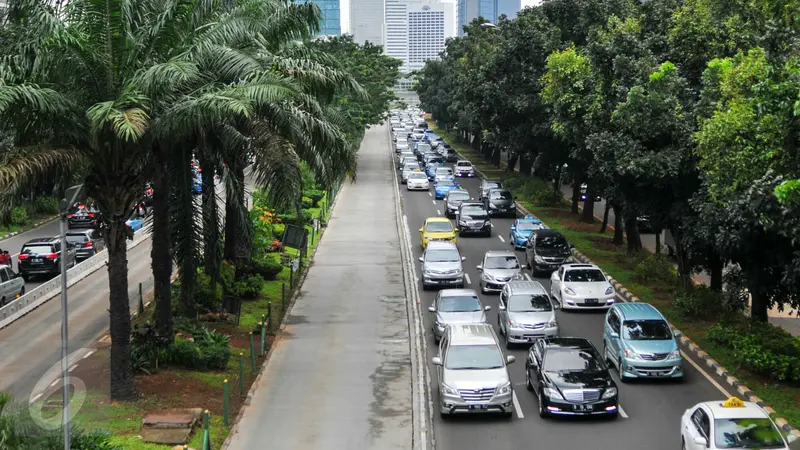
87,243
42,256
500,202
488,185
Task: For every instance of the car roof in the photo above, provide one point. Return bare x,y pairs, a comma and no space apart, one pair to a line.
437,219
750,410
459,191
444,168
472,204
40,241
499,190
472,334
580,266
529,220
441,245
499,253
548,232
567,342
492,181
445,292
5,265
525,287
463,161
638,311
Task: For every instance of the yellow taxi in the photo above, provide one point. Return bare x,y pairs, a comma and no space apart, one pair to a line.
437,229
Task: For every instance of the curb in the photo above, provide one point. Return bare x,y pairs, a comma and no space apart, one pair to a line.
278,334
33,227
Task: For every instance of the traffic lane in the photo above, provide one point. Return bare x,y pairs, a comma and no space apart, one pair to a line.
655,408
14,244
30,346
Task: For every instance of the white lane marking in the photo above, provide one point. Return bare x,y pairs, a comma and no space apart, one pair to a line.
433,201
622,412
73,367
516,405
438,212
15,255
501,238
527,277
430,194
90,353
36,397
466,277
55,382
708,377
491,224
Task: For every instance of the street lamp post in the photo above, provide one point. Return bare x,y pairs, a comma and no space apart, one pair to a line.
70,196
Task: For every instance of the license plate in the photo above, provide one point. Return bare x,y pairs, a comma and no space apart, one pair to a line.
37,260
657,374
478,406
591,301
531,339
583,408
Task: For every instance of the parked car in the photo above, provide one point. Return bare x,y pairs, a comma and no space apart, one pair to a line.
87,243
42,256
12,285
526,313
456,306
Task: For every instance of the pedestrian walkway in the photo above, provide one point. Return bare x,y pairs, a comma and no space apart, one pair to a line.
339,377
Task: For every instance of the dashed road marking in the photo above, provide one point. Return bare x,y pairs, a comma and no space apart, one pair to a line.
433,201
429,194
438,212
36,397
89,353
466,277
501,238
55,382
622,412
75,366
516,405
527,277
708,377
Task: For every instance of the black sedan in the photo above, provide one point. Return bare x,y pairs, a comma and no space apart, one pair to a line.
570,378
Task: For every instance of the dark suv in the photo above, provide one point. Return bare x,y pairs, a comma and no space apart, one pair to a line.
87,243
83,217
500,202
473,219
546,250
42,256
486,186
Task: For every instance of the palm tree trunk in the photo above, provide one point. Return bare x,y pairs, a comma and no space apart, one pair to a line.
244,245
188,277
212,254
231,227
160,254
122,385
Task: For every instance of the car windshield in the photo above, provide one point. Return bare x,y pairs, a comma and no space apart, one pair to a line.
423,147
446,183
37,250
473,357
584,276
473,211
402,144
647,330
571,360
529,303
500,195
436,161
464,164
557,242
76,238
501,262
459,303
747,433
444,171
458,196
439,227
418,175
491,185
410,167
526,226
442,256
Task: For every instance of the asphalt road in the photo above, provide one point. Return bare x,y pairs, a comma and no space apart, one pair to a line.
14,245
652,411
339,376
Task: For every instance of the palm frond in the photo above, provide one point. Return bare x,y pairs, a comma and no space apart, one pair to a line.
127,117
22,168
185,222
277,168
320,80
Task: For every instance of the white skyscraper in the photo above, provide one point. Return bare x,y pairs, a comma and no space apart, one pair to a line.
416,30
367,21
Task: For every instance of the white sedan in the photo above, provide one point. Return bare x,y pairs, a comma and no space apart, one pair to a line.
581,286
730,424
418,181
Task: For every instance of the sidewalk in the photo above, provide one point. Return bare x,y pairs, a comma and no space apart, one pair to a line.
339,376
788,319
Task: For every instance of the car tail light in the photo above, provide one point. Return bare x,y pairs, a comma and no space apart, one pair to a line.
22,257
90,214
89,244
71,216
52,256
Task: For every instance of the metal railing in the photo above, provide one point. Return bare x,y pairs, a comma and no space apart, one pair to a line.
17,308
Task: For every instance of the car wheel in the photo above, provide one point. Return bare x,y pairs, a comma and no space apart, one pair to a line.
542,410
22,291
683,444
527,263
509,345
508,414
25,277
605,355
528,384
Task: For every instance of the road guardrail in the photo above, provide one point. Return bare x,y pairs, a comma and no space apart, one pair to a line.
21,306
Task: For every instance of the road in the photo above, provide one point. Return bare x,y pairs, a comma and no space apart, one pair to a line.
339,376
30,346
652,411
15,243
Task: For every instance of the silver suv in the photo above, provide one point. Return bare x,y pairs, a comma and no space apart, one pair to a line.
498,268
472,372
456,306
526,313
441,265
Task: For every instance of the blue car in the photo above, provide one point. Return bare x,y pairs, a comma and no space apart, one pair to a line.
430,170
521,230
197,185
135,223
442,186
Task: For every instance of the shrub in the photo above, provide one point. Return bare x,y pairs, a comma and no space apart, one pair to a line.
277,230
306,203
538,191
268,267
315,196
760,347
206,298
699,302
655,268
19,216
45,205
291,218
227,276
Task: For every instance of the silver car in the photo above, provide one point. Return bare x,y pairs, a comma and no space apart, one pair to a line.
526,313
441,265
408,169
498,268
472,372
402,156
456,306
401,146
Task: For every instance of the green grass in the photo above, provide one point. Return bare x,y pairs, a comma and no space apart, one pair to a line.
5,230
784,398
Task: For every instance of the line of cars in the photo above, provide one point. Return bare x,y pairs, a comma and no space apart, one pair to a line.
568,375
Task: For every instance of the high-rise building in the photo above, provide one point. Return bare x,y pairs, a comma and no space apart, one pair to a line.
508,7
367,21
331,24
416,30
491,10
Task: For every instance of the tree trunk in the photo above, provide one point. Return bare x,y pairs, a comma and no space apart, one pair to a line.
231,227
160,254
244,246
512,162
121,370
715,267
619,229
212,254
188,277
759,308
587,215
632,233
604,226
525,165
576,195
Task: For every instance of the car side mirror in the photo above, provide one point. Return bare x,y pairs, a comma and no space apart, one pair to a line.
501,307
437,361
420,230
463,258
700,440
421,259
613,334
455,230
487,308
609,278
513,228
432,308
677,334
510,359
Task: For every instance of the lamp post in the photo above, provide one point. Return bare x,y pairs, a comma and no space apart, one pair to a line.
70,196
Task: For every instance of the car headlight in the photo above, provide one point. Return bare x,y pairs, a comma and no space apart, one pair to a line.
610,290
674,354
552,393
513,324
448,390
463,223
569,291
487,277
427,271
486,223
610,393
504,389
630,354
553,323
538,259
518,276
